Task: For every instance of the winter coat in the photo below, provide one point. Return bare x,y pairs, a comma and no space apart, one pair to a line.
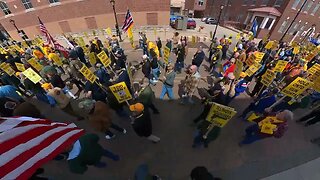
100,118
142,125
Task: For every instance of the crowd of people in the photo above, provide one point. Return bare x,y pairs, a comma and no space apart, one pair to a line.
269,113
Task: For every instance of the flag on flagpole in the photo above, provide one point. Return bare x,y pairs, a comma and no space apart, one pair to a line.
254,28
52,41
28,143
128,22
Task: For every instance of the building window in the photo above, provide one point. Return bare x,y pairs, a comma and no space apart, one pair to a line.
314,11
283,26
295,4
27,4
264,2
53,1
294,28
253,2
307,8
278,3
5,8
268,24
200,2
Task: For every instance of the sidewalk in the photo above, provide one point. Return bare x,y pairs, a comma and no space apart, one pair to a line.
307,171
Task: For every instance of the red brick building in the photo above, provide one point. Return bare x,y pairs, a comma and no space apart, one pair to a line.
273,16
62,16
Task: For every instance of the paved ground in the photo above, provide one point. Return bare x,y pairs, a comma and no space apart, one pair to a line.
173,158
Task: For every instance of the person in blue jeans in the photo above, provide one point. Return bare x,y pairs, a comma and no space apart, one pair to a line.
154,66
168,82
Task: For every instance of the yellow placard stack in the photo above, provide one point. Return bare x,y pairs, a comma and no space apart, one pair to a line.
220,115
105,60
85,71
121,92
298,86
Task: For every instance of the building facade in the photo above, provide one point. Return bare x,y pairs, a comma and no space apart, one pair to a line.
273,16
63,16
196,7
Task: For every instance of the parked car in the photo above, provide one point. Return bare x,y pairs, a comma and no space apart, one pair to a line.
191,24
173,19
211,21
204,19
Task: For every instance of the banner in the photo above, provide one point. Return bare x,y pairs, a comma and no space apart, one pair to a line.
121,92
238,70
85,71
20,67
105,60
253,69
7,68
268,77
280,66
220,115
32,75
298,86
166,54
35,64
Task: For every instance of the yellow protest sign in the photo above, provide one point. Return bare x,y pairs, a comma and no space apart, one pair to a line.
265,38
238,70
312,54
57,60
252,117
81,42
85,71
314,72
105,60
269,45
250,60
220,115
238,36
121,92
85,34
166,54
316,84
268,128
253,69
268,77
295,88
20,66
35,64
109,32
92,58
296,50
259,56
280,66
32,75
7,68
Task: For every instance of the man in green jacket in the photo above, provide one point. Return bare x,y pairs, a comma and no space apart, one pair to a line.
87,151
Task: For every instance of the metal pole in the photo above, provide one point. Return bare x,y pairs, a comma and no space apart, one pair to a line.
284,34
215,30
116,19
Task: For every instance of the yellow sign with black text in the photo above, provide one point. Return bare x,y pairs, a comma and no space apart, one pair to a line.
268,77
35,64
121,92
105,60
32,75
298,86
20,66
85,71
7,68
253,69
280,66
166,54
220,115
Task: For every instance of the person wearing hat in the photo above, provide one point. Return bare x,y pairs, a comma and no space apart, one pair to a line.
278,123
192,80
100,117
141,123
60,99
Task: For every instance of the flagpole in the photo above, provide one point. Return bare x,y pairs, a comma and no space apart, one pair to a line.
116,19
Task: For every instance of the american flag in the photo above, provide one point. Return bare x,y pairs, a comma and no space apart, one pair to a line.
27,143
128,22
50,39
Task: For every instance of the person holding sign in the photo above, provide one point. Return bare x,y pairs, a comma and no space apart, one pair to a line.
268,126
142,124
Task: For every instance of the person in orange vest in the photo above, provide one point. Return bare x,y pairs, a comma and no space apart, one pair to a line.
37,53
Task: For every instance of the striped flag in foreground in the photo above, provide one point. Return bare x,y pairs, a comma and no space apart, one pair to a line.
128,22
28,143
